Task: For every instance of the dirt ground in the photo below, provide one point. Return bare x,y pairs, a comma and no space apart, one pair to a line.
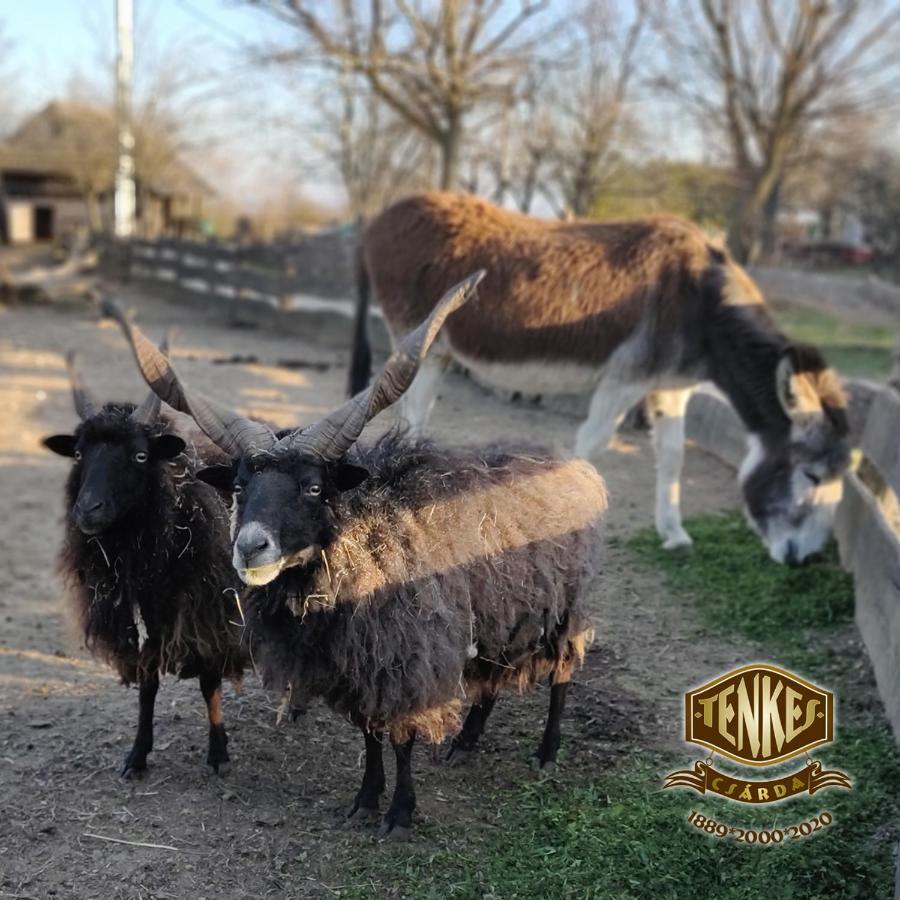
273,826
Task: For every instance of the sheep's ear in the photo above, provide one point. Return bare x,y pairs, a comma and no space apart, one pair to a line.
347,476
219,477
63,444
166,446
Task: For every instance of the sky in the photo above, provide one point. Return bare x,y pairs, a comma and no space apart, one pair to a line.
249,130
58,47
52,38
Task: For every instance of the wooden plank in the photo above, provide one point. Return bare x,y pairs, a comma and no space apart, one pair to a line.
877,577
861,393
850,512
714,425
881,437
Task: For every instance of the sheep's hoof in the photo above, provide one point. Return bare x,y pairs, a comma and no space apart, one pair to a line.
134,768
544,769
218,768
458,757
398,833
363,815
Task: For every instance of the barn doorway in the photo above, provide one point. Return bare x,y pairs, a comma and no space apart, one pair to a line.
43,223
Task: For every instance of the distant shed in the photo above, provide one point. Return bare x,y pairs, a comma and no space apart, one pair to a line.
57,172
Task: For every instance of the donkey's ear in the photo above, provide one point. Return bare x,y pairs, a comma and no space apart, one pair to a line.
63,444
219,477
795,388
784,378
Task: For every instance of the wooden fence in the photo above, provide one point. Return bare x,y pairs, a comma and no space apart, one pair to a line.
867,525
278,274
868,533
294,288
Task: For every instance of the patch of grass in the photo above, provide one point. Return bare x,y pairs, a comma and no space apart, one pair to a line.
738,590
621,837
853,349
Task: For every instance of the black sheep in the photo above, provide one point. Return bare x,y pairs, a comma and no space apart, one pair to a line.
146,559
401,580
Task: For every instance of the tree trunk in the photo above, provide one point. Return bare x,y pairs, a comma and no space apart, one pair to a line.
95,223
529,187
738,239
580,202
450,146
769,223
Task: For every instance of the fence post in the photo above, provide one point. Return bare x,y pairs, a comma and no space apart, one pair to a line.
894,379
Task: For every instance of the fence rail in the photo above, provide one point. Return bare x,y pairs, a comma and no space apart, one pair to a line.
280,275
278,286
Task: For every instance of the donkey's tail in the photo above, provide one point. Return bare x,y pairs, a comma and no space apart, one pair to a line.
361,360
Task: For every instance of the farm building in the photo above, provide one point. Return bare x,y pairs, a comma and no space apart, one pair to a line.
57,172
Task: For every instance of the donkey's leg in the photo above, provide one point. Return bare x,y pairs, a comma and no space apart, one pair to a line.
365,805
464,743
612,399
136,761
667,410
418,401
217,756
545,755
397,823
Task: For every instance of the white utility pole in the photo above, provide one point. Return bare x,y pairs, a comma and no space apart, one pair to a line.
126,198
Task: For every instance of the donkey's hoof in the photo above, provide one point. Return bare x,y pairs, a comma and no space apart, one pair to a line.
678,543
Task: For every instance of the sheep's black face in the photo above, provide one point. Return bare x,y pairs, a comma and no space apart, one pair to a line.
115,463
281,515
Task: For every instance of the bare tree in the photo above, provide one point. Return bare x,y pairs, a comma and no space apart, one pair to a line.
590,102
514,153
376,153
768,76
875,194
432,64
9,78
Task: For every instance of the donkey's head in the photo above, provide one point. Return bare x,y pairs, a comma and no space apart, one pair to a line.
283,485
792,476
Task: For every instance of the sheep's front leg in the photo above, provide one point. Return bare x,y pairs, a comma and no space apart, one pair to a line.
464,743
397,824
217,757
365,806
136,761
